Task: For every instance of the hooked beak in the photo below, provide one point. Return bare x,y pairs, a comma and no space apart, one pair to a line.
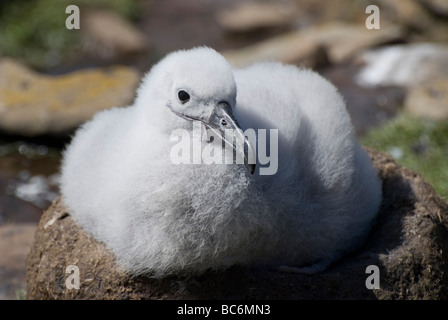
220,120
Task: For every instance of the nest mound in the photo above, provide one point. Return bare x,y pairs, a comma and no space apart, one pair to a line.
409,245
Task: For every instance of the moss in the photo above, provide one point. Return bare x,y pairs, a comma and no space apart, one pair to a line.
421,145
35,30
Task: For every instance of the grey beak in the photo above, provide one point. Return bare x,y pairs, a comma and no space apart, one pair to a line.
220,120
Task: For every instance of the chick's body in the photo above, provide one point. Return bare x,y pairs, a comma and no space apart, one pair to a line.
161,218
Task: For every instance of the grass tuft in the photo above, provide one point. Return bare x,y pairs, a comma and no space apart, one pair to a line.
418,144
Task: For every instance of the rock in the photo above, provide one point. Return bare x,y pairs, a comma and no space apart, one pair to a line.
439,7
343,41
404,65
296,47
250,17
334,41
430,100
108,36
34,104
15,244
409,12
409,245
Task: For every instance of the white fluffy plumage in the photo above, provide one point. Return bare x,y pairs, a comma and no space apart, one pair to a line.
162,218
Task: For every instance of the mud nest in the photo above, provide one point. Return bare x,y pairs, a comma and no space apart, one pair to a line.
409,244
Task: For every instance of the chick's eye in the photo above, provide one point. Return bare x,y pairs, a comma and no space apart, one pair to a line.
183,96
223,122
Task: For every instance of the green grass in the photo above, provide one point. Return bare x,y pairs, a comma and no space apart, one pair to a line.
420,145
35,31
21,294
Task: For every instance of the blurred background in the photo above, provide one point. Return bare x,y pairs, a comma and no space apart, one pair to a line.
394,80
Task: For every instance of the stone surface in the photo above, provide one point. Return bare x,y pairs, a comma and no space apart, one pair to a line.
439,7
404,65
336,42
409,244
35,104
430,100
343,41
408,12
108,36
250,17
297,47
15,243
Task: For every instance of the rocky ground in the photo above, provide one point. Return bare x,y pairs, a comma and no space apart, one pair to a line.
403,66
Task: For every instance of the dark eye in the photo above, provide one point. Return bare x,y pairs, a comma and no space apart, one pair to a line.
223,122
183,96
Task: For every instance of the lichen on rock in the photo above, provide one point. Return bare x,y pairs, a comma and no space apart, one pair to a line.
33,104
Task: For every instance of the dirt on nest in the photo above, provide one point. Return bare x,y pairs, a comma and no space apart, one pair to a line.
409,244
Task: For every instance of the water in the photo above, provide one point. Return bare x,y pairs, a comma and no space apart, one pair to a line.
29,174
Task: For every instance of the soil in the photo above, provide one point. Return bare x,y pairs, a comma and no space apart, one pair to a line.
409,244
